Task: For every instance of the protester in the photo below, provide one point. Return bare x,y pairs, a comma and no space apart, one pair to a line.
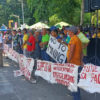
1,49
66,38
15,40
85,41
20,41
74,55
44,44
30,45
8,39
54,33
25,39
38,38
98,34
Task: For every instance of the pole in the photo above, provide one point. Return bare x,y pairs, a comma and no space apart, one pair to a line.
82,13
22,10
18,21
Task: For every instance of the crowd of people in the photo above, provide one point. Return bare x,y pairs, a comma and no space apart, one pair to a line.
34,43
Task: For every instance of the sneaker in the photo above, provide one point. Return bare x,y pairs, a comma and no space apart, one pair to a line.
33,81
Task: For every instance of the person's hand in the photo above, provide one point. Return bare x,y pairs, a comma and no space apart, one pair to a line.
22,46
41,44
59,40
82,64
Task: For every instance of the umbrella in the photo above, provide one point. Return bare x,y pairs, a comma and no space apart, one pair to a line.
4,29
39,25
61,24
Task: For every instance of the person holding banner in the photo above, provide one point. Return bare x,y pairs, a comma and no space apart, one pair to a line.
54,33
74,54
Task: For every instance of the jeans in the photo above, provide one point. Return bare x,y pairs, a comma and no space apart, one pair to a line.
76,95
25,52
34,69
44,55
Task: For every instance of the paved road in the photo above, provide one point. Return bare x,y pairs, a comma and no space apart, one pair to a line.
12,88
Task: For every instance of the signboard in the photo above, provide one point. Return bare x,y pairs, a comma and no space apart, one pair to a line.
57,50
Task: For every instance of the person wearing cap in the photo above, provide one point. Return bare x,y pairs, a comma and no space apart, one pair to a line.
25,39
30,45
54,33
74,55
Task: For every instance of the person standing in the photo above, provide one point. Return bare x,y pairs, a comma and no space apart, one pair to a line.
85,41
15,40
30,45
25,39
20,41
37,52
1,49
30,54
44,44
74,55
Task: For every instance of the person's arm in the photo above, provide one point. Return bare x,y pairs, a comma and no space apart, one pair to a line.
72,48
25,41
33,44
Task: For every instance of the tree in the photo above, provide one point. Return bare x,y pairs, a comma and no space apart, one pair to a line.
66,10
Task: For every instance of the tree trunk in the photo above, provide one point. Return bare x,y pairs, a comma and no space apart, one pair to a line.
82,13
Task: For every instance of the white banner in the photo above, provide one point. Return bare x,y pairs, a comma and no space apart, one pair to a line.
57,50
90,78
65,74
44,70
26,66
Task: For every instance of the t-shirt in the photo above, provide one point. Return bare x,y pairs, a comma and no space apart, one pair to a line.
66,39
83,38
84,41
76,59
25,38
31,44
45,38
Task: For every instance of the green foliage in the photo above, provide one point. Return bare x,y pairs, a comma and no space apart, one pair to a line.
54,19
9,7
48,10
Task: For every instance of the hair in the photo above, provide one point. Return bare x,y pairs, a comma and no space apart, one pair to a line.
56,31
25,30
48,30
19,30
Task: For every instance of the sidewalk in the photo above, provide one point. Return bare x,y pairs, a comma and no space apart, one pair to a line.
12,88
